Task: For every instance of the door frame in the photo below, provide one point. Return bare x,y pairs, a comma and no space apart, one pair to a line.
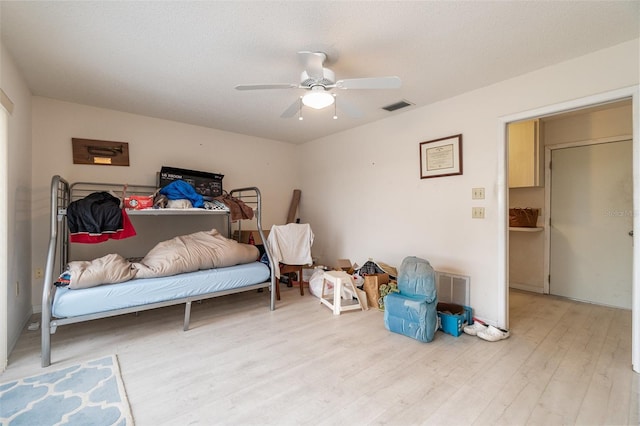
4,240
633,93
547,194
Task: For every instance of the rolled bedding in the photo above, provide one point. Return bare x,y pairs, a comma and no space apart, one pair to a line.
188,253
185,253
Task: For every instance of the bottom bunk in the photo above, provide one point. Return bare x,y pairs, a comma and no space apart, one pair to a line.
73,306
137,293
184,269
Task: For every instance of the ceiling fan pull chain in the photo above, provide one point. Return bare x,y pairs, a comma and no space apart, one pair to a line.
300,109
335,107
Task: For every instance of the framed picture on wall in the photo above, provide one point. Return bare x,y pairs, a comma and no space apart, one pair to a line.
441,157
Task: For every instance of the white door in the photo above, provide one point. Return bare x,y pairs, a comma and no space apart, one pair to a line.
591,217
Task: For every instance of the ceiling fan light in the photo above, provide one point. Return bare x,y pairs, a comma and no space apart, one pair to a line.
317,99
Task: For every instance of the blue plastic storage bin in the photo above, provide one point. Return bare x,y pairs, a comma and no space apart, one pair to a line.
451,323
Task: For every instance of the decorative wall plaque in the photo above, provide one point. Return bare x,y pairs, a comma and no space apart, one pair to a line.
105,153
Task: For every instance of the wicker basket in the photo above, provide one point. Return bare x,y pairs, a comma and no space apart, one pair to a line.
523,218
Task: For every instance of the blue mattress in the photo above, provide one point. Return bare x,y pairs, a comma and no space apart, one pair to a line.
72,303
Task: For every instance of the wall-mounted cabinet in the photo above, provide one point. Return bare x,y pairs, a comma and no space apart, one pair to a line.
526,155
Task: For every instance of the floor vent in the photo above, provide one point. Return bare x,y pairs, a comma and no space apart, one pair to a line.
453,288
397,105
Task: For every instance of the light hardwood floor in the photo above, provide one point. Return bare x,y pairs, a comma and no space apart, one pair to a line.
565,363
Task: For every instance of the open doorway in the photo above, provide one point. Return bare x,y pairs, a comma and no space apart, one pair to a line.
582,254
627,98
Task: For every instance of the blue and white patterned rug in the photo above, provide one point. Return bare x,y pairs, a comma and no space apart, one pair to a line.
91,393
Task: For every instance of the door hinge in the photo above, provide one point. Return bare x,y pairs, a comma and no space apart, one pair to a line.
549,278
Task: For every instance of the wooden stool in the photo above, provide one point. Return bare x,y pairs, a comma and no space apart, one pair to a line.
338,279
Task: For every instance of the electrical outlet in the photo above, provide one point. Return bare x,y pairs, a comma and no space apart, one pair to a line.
477,212
477,193
39,273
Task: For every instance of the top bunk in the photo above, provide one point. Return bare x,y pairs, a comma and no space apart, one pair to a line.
79,190
64,193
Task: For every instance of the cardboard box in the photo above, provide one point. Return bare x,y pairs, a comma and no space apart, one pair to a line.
344,265
209,185
248,235
452,318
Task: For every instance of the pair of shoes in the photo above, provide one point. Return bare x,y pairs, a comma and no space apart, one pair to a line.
493,334
474,328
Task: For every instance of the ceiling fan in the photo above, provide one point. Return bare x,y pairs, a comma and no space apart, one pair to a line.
318,81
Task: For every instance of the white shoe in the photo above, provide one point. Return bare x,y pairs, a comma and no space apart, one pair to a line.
474,328
493,334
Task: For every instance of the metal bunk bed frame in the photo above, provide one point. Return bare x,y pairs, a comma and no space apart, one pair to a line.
62,193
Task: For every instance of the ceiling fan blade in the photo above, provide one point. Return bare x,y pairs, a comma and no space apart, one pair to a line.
292,110
370,83
350,109
312,62
265,86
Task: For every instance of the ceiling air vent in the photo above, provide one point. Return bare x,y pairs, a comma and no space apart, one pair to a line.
397,105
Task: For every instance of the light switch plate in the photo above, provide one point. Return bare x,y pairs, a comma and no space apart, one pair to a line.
477,212
477,193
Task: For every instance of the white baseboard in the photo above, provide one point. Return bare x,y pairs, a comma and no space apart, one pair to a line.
526,287
486,321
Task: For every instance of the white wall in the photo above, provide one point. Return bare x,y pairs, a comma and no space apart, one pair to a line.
364,196
601,123
244,160
17,184
526,249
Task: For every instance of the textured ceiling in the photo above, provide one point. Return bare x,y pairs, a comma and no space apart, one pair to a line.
181,60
